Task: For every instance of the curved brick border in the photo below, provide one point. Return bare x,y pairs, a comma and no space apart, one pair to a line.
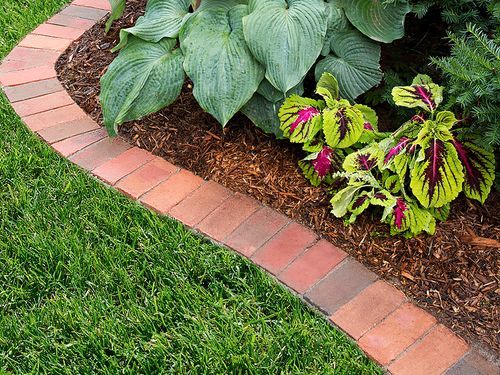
403,338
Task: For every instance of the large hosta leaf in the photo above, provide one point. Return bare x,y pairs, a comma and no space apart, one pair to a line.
163,19
479,168
355,63
343,125
437,175
300,118
379,21
286,37
264,114
144,78
224,73
117,8
336,21
269,92
224,4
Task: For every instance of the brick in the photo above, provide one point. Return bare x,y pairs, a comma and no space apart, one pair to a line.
225,219
53,117
68,129
256,231
74,144
33,89
28,75
99,153
74,22
42,57
290,242
9,66
344,283
58,31
368,308
437,351
99,4
146,178
170,192
474,364
396,333
121,166
45,42
312,266
200,204
84,12
42,103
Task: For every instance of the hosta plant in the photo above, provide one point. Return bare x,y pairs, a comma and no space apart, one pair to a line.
412,174
244,55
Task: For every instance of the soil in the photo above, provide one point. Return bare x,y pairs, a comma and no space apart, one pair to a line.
453,274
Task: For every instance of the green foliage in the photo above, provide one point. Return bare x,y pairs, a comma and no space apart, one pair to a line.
472,75
230,48
412,174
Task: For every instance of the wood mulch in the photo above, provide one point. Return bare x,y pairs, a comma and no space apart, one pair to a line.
453,274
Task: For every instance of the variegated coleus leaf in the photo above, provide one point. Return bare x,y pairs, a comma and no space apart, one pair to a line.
364,160
319,166
408,218
328,88
393,183
440,213
437,174
343,125
399,147
383,198
479,169
427,95
343,198
300,118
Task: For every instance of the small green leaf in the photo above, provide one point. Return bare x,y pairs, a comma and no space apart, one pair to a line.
328,88
117,8
144,78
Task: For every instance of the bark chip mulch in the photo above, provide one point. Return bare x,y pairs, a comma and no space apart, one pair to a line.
453,274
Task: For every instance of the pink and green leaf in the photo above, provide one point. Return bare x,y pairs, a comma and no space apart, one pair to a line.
426,96
364,160
342,126
479,169
409,219
318,167
300,118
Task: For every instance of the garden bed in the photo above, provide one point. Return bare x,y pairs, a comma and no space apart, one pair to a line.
448,274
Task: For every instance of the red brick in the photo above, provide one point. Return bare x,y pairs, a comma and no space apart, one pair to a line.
200,204
99,4
33,89
225,219
53,117
144,179
45,42
58,31
42,103
99,153
9,66
312,266
71,145
437,351
170,192
340,286
74,22
126,163
368,308
42,57
68,129
290,242
256,231
84,12
396,333
28,75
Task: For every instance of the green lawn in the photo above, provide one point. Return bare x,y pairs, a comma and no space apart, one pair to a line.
90,282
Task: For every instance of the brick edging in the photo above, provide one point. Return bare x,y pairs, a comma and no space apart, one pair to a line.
401,337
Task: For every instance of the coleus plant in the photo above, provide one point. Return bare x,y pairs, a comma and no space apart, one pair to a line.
412,174
244,55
